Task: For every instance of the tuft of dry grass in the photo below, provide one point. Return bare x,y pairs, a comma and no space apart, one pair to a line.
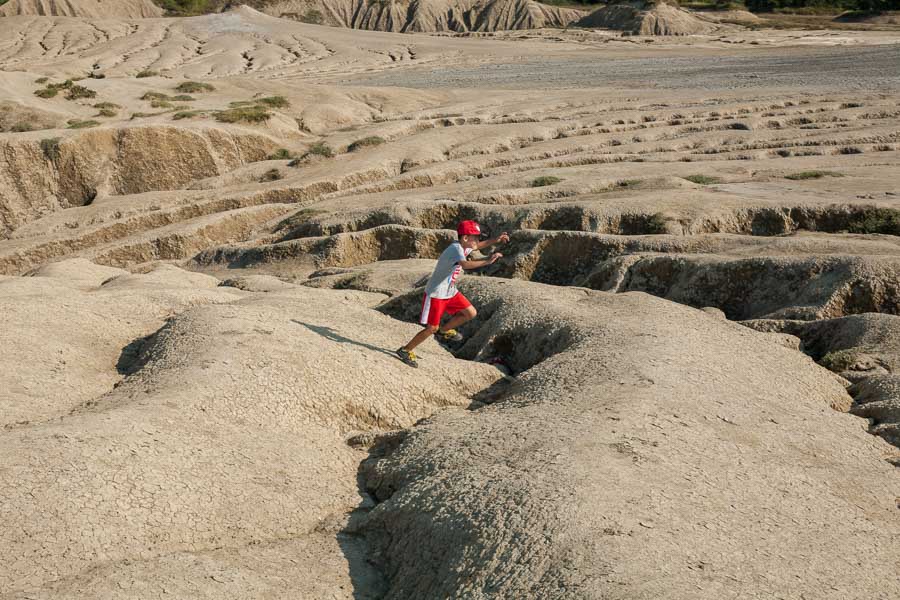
803,175
194,87
78,124
249,114
702,179
545,180
372,140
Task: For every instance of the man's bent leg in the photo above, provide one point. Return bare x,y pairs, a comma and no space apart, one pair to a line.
463,316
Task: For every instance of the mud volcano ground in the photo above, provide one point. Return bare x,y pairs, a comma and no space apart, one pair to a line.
683,380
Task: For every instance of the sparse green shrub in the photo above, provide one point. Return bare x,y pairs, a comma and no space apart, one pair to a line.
182,98
107,105
811,175
147,73
372,140
545,180
851,105
656,224
849,150
95,75
275,101
250,114
22,127
194,87
838,361
738,126
76,92
160,104
76,124
107,112
41,80
321,149
281,154
702,179
53,89
271,175
50,148
312,16
155,96
877,220
625,183
187,114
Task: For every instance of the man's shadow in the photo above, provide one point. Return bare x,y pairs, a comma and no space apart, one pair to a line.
330,334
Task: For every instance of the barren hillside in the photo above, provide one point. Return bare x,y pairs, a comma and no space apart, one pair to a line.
681,383
93,9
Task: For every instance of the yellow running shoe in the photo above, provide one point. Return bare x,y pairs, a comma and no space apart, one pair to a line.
451,335
408,356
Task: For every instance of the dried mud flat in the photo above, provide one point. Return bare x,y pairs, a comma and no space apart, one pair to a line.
683,382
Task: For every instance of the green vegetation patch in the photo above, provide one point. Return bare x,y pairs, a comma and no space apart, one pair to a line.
78,124
802,175
656,224
53,89
702,179
274,101
185,8
77,92
545,180
147,73
877,220
194,87
187,114
839,360
42,80
281,154
372,140
107,112
155,96
249,114
321,149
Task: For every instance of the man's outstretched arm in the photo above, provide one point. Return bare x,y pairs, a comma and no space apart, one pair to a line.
468,265
502,238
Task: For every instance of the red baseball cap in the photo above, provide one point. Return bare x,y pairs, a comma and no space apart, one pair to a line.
468,228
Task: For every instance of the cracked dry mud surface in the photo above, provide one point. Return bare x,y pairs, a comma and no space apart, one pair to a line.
683,380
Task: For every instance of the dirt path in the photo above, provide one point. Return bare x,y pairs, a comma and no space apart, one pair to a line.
837,68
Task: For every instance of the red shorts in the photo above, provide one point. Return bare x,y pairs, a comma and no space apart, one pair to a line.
434,308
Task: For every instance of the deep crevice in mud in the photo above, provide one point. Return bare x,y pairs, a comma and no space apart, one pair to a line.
762,221
513,350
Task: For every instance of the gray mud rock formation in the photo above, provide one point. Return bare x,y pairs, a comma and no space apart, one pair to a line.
426,15
626,460
646,18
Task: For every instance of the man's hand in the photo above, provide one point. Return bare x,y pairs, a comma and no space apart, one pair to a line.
503,238
494,258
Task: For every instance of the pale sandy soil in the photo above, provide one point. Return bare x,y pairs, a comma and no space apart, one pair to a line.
199,397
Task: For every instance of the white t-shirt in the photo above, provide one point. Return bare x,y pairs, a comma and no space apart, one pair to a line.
442,283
